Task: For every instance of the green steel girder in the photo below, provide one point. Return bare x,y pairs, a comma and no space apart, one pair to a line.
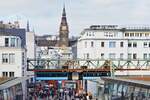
90,63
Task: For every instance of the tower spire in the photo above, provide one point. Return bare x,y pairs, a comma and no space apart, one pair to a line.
64,30
64,11
28,26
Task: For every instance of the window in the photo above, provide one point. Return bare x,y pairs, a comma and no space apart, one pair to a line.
129,44
11,58
102,44
8,58
121,55
129,55
134,56
106,34
87,55
145,56
112,44
45,52
86,34
145,44
4,58
85,44
134,44
92,44
112,55
131,34
23,58
12,42
146,34
137,34
11,74
140,34
121,44
6,42
102,55
126,34
17,42
5,74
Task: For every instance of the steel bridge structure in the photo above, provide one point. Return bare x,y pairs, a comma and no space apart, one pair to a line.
87,68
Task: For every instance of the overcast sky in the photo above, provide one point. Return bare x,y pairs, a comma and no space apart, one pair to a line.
45,15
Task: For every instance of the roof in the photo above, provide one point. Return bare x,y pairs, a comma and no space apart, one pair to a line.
46,42
15,32
3,79
13,82
141,28
138,83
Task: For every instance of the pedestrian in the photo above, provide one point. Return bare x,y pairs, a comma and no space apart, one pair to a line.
80,97
48,93
52,92
35,98
122,95
30,97
70,94
65,96
90,97
87,97
45,94
84,97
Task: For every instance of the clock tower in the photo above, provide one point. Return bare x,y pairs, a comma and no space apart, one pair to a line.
63,31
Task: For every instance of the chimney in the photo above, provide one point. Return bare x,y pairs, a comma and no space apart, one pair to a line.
16,23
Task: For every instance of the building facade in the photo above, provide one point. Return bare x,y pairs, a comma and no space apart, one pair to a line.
30,47
117,44
114,42
55,53
12,51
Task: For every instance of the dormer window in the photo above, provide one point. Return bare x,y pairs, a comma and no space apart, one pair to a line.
12,42
6,42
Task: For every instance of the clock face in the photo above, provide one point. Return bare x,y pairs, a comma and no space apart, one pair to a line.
64,27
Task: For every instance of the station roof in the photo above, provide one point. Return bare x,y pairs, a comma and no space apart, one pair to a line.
128,81
13,82
3,79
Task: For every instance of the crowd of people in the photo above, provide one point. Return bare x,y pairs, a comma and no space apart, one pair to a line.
52,93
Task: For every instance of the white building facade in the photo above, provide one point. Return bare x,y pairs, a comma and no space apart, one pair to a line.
113,42
31,49
12,57
30,45
12,50
56,53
